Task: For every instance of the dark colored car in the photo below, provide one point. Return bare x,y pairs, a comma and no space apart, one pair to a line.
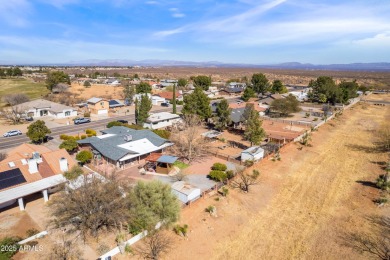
82,121
122,121
165,104
29,119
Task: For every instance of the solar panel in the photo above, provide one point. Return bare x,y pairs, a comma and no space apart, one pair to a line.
11,178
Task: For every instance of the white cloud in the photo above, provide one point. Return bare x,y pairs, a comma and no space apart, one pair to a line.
381,39
15,12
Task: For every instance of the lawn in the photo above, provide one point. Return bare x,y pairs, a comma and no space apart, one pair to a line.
19,85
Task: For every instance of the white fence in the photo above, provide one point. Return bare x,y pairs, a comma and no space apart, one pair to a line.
39,235
131,241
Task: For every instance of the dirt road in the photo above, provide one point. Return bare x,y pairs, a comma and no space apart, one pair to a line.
305,203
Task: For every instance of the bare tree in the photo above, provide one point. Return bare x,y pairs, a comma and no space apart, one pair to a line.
13,114
60,88
154,245
244,180
189,144
66,249
15,99
377,243
94,206
180,176
3,156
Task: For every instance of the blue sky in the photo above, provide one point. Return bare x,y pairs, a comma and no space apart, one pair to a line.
240,31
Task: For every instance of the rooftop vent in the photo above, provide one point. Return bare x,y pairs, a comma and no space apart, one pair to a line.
36,156
11,164
128,138
24,161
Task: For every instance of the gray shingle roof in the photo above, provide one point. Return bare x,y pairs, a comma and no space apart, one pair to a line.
236,114
108,146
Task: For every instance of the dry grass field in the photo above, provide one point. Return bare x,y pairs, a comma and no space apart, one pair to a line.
305,205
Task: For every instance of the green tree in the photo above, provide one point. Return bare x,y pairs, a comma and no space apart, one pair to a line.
150,203
278,87
325,85
285,106
84,156
2,73
248,93
143,87
259,83
37,131
143,108
223,115
349,90
197,103
69,145
87,84
128,93
203,82
17,72
55,77
174,99
254,133
182,82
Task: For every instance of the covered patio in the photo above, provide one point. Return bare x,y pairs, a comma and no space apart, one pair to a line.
159,163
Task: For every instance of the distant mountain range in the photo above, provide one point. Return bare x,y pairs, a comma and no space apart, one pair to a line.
376,66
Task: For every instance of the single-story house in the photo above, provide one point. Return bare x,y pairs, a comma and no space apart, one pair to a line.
41,107
253,153
268,100
185,192
113,103
168,95
30,169
98,106
157,100
122,146
161,120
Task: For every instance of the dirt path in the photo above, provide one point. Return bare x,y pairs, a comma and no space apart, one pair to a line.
305,203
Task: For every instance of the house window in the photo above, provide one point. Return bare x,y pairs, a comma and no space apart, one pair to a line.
67,113
102,104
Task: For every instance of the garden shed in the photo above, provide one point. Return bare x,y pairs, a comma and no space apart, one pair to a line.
253,153
185,192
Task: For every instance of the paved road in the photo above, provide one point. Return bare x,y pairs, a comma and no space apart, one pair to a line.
8,142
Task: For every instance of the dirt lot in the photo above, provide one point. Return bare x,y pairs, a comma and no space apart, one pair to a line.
304,204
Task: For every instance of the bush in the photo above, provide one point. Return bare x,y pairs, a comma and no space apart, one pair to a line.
315,119
84,156
64,137
162,133
382,183
9,247
217,175
210,209
380,200
87,114
248,163
181,230
219,167
179,102
230,174
135,127
90,132
224,191
31,232
128,249
114,123
83,137
73,173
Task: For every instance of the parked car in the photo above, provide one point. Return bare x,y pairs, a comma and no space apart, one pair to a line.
82,121
122,121
29,119
165,104
12,133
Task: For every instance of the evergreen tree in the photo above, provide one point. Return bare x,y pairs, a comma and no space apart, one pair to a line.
278,87
223,115
254,133
182,82
55,77
259,83
197,103
143,87
128,93
145,105
174,99
248,93
202,81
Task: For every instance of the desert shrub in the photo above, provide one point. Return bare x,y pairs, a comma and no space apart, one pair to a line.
383,183
9,247
224,191
181,230
87,114
83,137
32,231
223,140
315,119
219,167
217,175
102,249
210,209
380,200
248,163
162,133
64,137
135,127
128,249
73,173
230,174
90,132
